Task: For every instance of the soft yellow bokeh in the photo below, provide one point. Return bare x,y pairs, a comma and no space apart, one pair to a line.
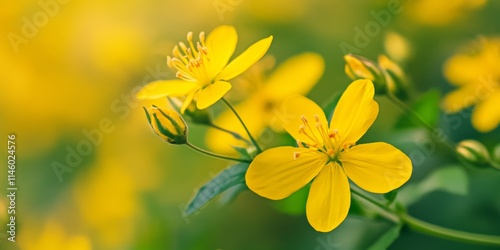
442,12
476,73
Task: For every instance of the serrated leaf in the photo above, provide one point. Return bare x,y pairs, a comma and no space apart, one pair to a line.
452,179
330,105
224,180
427,107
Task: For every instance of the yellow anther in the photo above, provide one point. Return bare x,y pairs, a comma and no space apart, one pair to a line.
296,155
190,36
316,117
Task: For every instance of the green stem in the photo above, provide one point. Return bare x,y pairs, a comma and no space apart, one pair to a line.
418,119
387,212
254,142
447,233
203,151
429,228
234,134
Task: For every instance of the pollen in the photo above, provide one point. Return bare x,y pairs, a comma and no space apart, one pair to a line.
191,60
296,155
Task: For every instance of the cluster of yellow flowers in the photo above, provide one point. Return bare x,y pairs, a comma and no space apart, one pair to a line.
326,154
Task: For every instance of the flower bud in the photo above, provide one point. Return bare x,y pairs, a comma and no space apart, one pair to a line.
358,67
473,153
199,116
167,124
396,80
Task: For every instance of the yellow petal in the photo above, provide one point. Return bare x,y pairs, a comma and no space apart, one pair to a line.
188,100
463,69
355,112
162,88
221,43
245,60
329,199
460,99
296,75
486,115
275,174
211,94
250,112
291,111
376,167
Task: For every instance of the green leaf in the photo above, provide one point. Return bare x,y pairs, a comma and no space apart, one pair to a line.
387,238
451,179
330,105
224,180
391,196
359,232
243,152
427,107
231,193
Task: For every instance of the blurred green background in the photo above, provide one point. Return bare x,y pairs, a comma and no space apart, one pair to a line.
69,72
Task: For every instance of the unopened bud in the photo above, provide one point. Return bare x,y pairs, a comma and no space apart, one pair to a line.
473,153
358,67
167,124
397,82
387,76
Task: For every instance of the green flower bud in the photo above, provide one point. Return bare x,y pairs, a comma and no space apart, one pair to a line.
358,67
386,75
473,153
167,124
397,82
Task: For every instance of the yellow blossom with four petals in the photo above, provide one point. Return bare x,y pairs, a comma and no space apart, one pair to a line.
328,155
476,73
203,70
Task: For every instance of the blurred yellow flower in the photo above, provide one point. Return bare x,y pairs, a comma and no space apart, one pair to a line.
53,237
328,155
296,75
203,69
443,12
476,72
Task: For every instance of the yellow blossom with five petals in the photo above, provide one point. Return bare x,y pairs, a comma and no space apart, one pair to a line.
328,155
203,70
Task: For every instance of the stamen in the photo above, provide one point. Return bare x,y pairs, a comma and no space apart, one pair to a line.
316,117
304,119
299,143
169,62
190,36
296,155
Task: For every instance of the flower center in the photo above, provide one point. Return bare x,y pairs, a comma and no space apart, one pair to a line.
191,62
325,140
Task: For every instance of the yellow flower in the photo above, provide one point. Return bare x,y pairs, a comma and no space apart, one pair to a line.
477,75
297,75
329,155
203,69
